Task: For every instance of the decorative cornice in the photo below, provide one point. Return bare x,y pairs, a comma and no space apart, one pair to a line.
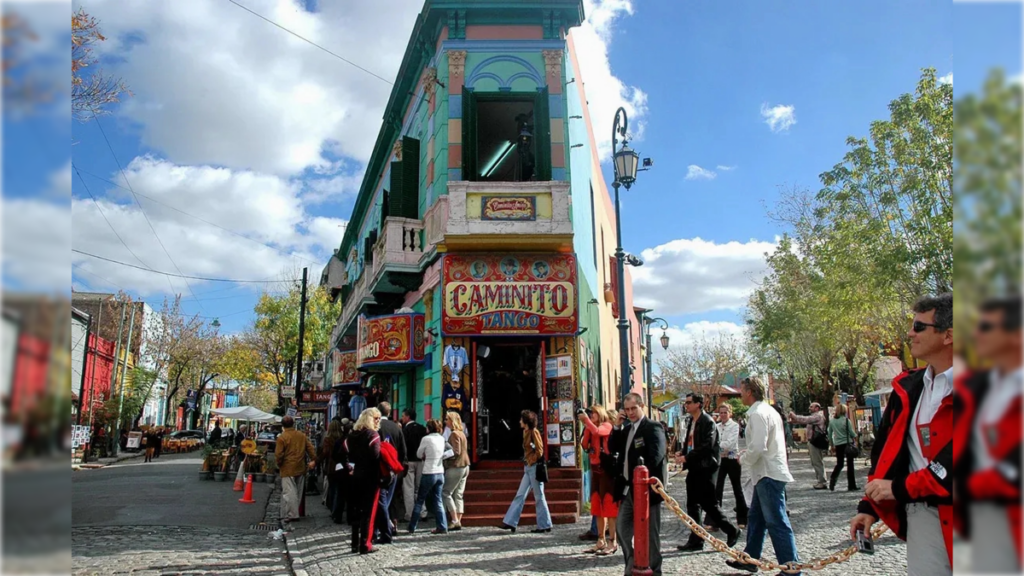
457,62
553,62
396,150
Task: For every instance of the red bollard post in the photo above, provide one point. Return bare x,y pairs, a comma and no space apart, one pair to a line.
641,521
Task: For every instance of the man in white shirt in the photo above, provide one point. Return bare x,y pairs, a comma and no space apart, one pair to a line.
729,435
910,484
765,460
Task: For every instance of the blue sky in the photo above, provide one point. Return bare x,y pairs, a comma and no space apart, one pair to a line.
248,128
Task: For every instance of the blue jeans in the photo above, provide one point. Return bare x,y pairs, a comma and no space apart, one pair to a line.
516,509
768,512
593,526
430,492
383,526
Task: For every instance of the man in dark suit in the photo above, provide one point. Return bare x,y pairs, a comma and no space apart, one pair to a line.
638,438
390,431
700,457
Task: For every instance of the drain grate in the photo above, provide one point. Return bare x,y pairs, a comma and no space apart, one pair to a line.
263,527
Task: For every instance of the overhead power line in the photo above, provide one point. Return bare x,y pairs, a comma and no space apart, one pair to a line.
203,220
98,207
304,39
144,215
183,276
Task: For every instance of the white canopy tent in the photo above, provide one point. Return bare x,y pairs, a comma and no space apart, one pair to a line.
249,413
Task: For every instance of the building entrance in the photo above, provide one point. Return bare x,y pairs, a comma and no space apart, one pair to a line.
508,384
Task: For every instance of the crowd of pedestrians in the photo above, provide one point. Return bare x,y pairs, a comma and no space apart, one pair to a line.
910,476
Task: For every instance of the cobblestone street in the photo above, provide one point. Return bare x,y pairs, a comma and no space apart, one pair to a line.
319,547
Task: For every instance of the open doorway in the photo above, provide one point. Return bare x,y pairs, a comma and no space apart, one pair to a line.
507,386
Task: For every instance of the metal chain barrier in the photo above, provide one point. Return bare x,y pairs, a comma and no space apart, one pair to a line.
740,556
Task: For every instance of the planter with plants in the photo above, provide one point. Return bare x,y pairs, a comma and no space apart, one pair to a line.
210,462
271,469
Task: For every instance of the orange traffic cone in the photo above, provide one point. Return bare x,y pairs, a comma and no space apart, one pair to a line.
240,478
247,498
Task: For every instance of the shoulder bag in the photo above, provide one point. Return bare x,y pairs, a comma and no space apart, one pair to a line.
852,447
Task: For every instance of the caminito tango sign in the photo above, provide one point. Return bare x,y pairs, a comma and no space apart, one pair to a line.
506,294
392,340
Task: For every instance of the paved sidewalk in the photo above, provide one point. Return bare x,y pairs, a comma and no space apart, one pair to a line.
317,546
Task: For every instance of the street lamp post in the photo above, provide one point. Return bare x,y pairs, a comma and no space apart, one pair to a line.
664,344
624,163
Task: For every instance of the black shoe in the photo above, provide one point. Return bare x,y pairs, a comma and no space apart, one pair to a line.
368,551
690,547
734,538
511,529
539,530
355,548
831,486
741,565
588,536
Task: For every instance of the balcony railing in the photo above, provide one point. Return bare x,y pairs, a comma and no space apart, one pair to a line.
400,247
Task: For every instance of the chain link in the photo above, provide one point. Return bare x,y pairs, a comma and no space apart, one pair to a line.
740,556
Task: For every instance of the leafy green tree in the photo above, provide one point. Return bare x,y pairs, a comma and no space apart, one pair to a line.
988,213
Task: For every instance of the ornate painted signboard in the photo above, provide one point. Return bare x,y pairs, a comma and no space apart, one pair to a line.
345,373
510,294
508,208
392,340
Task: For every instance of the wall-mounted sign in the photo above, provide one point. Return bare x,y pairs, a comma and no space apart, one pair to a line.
316,397
506,294
287,391
558,366
345,373
508,208
393,340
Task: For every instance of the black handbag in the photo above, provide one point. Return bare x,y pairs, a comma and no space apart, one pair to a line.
542,471
852,447
819,439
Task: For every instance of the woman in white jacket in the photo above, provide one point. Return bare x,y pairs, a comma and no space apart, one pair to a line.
431,451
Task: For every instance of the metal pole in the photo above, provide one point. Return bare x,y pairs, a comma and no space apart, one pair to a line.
620,263
85,371
120,401
650,374
641,494
302,336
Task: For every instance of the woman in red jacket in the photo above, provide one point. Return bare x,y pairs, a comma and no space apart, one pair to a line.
598,429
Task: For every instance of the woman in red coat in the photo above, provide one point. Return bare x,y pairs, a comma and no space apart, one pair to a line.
598,430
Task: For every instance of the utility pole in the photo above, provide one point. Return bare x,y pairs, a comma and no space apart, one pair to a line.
117,363
302,336
127,351
85,372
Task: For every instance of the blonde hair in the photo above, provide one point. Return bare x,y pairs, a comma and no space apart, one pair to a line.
454,421
725,405
602,414
369,419
840,410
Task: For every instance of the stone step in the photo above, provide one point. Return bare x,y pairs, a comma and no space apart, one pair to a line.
491,508
526,522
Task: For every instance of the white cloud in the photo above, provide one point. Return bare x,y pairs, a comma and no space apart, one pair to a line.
691,276
694,172
604,91
779,118
271,232
688,334
60,182
724,168
947,79
216,85
36,244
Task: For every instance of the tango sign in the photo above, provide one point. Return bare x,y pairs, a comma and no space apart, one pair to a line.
510,294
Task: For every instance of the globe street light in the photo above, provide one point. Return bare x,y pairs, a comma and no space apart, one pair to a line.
650,353
624,163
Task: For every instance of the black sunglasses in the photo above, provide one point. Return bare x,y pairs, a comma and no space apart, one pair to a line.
919,326
986,326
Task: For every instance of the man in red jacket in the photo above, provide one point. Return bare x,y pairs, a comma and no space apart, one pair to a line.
988,435
910,484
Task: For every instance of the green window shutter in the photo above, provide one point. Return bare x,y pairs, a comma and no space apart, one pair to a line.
469,161
397,195
410,178
542,140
